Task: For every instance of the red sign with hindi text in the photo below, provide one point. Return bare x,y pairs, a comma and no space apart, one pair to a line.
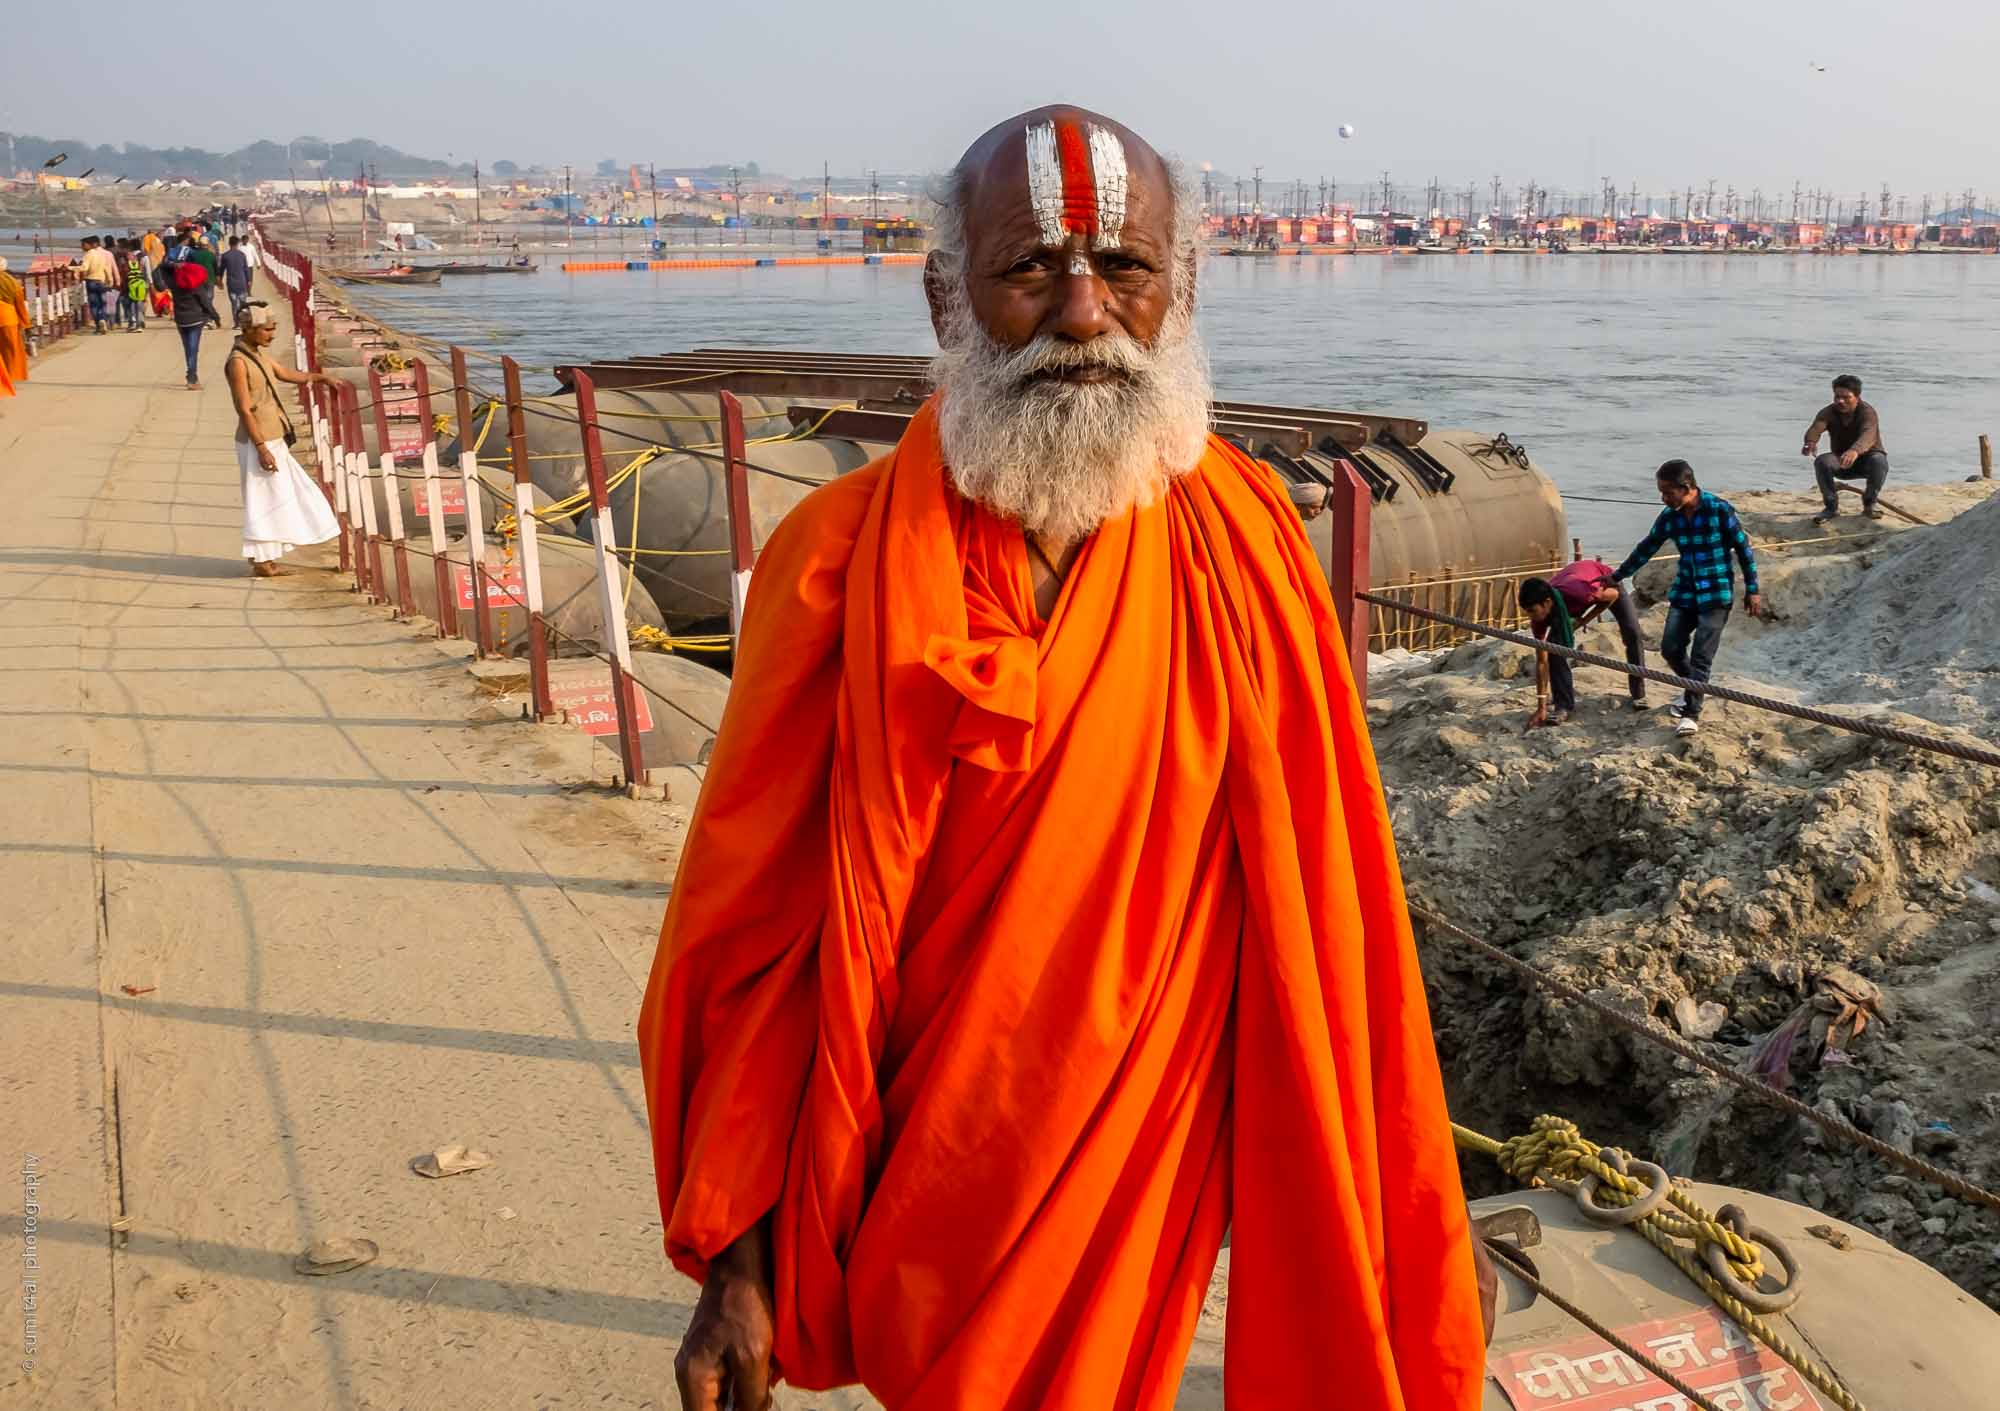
451,500
1706,1350
582,690
505,588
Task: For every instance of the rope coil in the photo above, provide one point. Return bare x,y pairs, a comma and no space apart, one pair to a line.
1552,1153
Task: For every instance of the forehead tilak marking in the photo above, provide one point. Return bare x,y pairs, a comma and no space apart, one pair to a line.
1078,182
1045,191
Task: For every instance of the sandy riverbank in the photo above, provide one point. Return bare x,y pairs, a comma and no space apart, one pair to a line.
1733,883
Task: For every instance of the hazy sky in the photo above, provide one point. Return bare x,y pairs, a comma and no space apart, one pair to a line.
1662,94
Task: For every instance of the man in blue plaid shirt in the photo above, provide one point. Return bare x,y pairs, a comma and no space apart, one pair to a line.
1705,529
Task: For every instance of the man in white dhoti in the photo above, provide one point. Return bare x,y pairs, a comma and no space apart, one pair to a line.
283,507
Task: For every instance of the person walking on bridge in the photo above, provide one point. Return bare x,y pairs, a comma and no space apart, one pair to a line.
283,507
1855,432
1705,529
14,325
236,277
100,277
1072,938
189,273
154,251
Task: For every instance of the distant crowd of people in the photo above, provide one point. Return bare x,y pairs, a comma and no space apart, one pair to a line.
171,275
1705,529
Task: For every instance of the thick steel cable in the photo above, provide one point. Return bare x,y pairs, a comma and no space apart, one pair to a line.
1647,1027
1894,734
698,452
555,631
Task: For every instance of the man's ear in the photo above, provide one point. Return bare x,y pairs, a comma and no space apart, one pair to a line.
934,293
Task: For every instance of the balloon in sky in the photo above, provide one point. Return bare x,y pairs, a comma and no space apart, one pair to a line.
1347,129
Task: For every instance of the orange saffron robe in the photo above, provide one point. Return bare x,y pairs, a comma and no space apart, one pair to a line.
1011,964
14,320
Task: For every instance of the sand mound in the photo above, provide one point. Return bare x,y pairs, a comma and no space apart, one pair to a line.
1919,629
1728,874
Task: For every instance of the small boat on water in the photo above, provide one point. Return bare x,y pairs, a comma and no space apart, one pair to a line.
395,274
456,268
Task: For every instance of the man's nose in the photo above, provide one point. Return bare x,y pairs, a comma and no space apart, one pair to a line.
1079,314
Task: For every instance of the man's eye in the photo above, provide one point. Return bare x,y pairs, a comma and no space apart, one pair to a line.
1028,264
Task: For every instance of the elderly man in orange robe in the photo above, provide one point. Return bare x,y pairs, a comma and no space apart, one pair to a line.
1040,925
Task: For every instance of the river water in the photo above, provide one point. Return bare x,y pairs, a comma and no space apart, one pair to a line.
1603,365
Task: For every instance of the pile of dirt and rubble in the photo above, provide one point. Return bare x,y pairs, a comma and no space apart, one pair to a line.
1810,904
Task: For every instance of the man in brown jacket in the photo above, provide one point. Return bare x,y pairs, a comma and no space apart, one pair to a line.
282,505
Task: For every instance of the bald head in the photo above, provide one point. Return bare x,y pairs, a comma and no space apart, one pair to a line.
1079,171
1077,211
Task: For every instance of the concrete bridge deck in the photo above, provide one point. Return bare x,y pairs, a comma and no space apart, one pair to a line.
278,919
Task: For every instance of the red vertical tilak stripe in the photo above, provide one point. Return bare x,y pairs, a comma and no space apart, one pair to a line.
1079,188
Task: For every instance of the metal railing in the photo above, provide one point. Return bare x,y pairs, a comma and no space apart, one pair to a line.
478,587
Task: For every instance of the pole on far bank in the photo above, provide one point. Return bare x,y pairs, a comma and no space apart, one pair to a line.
1985,457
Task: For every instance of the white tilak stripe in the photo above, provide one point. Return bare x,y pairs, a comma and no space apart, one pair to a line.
1109,173
1045,181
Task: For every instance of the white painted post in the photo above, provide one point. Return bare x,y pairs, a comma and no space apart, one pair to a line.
475,542
323,451
370,535
447,614
531,553
391,501
392,492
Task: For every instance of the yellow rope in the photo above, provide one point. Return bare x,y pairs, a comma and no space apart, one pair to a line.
631,569
570,504
646,635
1553,1153
492,410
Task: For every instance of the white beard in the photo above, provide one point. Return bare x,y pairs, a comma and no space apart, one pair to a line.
1061,458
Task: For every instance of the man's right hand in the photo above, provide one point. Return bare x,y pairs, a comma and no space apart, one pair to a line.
1805,450
724,1363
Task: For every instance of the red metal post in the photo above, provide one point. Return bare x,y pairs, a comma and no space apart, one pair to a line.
736,500
423,393
531,554
1352,504
629,750
376,390
475,536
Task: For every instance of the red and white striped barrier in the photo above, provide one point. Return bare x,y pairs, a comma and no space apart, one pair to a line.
736,500
531,554
630,752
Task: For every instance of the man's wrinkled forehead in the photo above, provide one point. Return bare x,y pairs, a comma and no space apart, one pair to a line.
1056,176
